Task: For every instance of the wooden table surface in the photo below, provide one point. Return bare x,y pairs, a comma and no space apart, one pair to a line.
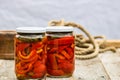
104,67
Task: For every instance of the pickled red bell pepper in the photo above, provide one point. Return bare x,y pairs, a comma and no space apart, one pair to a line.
32,53
58,49
61,41
65,54
60,56
28,55
37,45
52,60
23,66
22,46
23,69
29,60
70,52
58,72
39,70
67,67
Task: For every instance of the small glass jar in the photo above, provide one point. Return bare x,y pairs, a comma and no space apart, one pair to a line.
30,53
60,51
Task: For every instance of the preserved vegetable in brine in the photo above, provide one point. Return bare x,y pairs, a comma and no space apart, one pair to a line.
30,55
60,54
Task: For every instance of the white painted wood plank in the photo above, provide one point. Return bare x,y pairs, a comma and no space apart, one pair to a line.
111,62
90,69
7,70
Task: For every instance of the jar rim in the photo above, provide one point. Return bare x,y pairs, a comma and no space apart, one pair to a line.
30,30
59,29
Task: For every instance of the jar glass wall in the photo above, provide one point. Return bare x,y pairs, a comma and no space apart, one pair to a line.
30,53
60,51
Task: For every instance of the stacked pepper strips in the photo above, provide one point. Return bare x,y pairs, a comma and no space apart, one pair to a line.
60,56
30,58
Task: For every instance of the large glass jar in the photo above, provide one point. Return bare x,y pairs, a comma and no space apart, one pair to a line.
30,53
60,51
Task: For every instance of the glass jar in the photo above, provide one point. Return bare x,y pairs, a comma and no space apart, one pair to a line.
30,53
60,51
